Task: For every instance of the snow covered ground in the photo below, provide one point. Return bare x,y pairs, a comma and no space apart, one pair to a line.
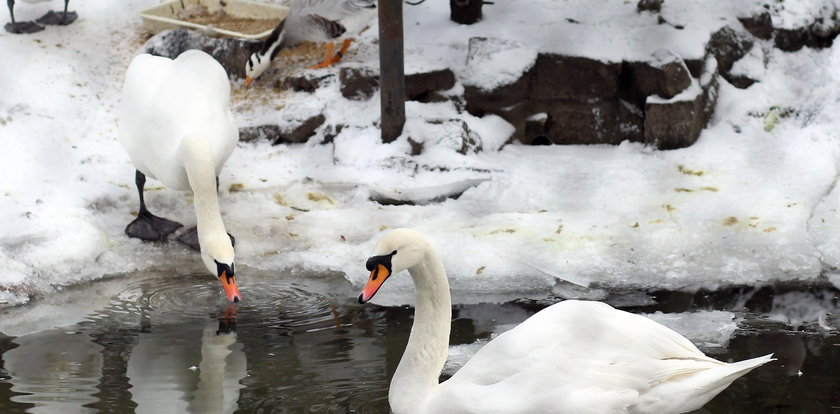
753,201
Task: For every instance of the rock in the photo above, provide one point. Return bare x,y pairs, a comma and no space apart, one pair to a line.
493,63
665,77
454,134
728,46
677,123
790,40
303,83
231,53
649,5
536,131
277,135
695,67
760,26
302,132
358,83
259,133
819,34
419,86
740,81
508,101
572,77
575,123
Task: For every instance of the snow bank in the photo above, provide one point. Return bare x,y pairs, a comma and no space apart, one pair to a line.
753,201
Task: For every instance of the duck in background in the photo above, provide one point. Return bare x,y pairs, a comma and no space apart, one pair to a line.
177,127
52,17
572,357
314,21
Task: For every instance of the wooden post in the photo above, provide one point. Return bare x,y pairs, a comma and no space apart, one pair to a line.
391,70
465,11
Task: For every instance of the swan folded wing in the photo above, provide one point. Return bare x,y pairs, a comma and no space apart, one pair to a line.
138,125
165,100
696,382
575,356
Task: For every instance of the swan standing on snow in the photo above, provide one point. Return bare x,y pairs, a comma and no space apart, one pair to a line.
49,18
312,21
572,357
177,127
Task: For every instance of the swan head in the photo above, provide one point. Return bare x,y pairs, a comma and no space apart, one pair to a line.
397,250
217,255
255,66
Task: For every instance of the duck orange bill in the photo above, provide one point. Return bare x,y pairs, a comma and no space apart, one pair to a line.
231,290
377,277
248,81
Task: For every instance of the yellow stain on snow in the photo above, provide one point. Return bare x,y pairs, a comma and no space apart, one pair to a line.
684,170
320,198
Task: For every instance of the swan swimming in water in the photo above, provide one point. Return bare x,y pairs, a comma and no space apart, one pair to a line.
177,127
572,357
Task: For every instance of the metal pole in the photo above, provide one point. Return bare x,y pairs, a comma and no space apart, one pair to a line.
391,70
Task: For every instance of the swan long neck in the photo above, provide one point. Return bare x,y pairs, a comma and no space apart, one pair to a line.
201,172
419,369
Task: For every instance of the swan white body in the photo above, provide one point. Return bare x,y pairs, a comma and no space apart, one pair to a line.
572,357
177,127
168,102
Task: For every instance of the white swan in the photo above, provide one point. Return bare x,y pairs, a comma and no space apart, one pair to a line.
312,21
177,127
572,357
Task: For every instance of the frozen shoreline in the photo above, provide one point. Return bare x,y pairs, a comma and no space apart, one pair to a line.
744,205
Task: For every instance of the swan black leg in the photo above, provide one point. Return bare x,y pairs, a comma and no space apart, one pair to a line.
148,226
60,18
20,27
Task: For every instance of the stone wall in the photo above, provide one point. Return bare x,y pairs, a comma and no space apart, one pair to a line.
664,101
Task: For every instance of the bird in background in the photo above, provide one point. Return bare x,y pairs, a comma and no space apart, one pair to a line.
62,18
314,21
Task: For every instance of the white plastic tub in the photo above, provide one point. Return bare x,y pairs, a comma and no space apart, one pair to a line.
166,16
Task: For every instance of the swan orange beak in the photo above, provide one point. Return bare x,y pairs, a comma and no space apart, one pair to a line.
377,277
248,81
229,283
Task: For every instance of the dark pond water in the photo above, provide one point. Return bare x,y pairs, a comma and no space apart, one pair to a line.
154,343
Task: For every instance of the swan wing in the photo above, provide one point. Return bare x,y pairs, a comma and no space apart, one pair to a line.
165,100
580,357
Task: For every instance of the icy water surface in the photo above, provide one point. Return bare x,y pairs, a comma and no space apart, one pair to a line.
157,343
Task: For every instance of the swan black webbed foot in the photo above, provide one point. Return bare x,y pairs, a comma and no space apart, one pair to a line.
58,18
148,226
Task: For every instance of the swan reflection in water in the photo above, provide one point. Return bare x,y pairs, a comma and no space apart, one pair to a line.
171,372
